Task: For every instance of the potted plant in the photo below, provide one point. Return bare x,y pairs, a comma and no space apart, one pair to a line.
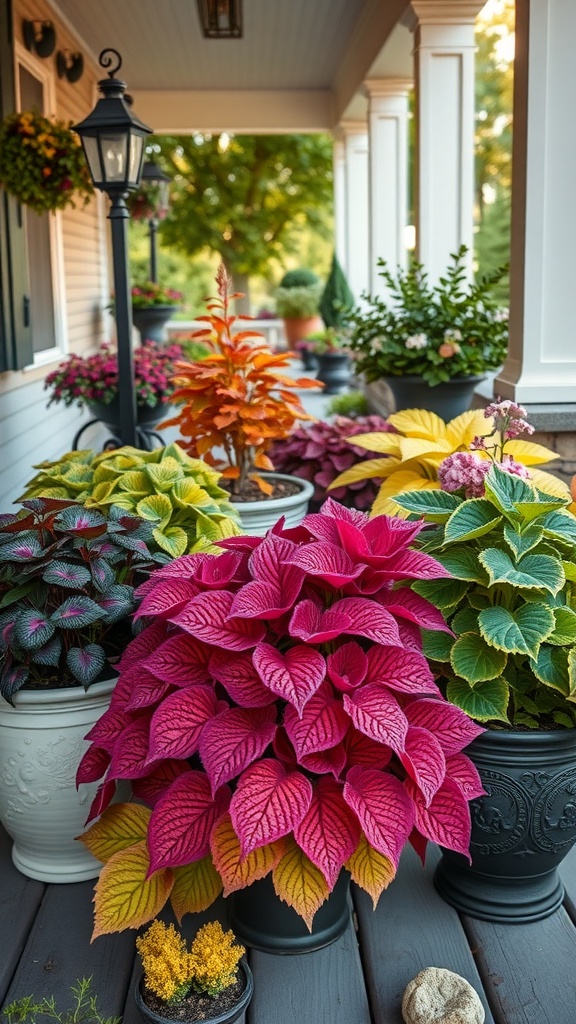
337,299
179,496
509,664
234,404
280,724
432,345
153,305
210,981
92,381
408,457
332,358
67,579
297,301
320,452
42,162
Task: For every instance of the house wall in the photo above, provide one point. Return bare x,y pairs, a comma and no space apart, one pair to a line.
29,432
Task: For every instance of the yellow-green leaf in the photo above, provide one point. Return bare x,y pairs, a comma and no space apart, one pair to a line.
371,870
187,492
377,441
124,896
361,471
172,539
195,888
120,826
464,428
300,884
238,872
418,423
165,475
529,453
157,508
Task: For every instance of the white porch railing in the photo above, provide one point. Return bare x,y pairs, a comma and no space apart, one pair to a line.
273,330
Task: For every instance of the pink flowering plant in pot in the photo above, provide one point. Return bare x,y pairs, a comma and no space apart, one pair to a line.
277,715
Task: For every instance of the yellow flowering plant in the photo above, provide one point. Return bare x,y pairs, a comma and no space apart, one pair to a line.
172,972
42,162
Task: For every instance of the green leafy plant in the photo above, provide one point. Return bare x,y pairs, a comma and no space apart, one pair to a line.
453,329
42,162
511,602
299,301
351,403
328,340
177,495
67,578
299,278
84,1008
337,299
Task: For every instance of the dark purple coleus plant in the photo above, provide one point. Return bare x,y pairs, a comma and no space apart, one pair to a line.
277,714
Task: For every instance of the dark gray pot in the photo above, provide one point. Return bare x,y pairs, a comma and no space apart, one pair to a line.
447,400
231,1015
146,420
334,372
151,320
521,830
260,919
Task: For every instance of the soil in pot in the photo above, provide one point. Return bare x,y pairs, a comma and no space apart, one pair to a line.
251,492
226,1007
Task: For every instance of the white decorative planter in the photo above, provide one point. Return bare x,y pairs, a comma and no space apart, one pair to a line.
258,516
41,745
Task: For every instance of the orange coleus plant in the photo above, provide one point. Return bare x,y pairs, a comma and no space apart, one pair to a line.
234,399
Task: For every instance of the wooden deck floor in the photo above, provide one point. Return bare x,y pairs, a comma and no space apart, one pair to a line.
525,974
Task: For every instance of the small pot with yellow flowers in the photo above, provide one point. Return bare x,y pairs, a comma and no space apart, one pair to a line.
208,982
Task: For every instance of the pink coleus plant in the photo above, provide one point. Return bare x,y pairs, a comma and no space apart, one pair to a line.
277,714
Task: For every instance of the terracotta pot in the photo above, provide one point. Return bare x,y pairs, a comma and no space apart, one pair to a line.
296,328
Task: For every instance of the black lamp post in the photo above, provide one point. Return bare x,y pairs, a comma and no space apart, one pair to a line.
152,174
113,142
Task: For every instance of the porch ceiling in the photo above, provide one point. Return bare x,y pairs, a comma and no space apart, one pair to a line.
298,66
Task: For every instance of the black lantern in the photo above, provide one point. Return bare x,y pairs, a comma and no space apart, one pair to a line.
152,174
113,141
221,19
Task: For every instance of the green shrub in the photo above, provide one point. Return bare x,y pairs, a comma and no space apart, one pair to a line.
299,301
299,279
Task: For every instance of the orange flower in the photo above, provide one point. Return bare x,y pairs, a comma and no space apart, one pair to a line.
46,172
448,349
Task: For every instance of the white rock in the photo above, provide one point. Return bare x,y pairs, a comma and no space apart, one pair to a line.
437,996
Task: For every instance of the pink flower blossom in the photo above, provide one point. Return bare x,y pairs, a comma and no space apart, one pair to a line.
463,470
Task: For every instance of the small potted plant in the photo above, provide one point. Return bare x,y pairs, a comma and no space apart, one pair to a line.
282,730
234,404
42,162
179,496
152,307
333,360
509,663
209,982
67,578
431,345
297,302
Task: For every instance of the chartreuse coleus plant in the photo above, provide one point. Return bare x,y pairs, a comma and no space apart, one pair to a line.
179,496
511,603
67,579
276,714
234,401
409,456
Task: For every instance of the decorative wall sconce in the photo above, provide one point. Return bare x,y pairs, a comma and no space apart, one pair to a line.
69,65
39,37
221,19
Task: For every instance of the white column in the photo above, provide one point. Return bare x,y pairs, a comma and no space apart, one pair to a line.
388,178
444,71
339,165
541,365
357,261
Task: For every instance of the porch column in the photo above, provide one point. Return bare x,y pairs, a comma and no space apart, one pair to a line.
357,260
339,166
541,365
444,72
388,177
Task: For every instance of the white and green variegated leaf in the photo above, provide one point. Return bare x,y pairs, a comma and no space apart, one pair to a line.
49,654
530,510
465,621
463,564
76,612
551,668
474,660
436,646
86,663
532,572
445,594
66,574
505,490
565,629
32,629
484,702
436,506
473,518
560,525
520,543
518,632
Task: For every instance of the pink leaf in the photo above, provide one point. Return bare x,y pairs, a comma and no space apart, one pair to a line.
327,562
215,571
142,645
233,740
419,844
206,617
368,619
104,796
177,724
167,597
148,690
446,820
451,727
314,625
276,583
329,831
415,565
283,749
404,671
364,751
181,661
183,567
377,713
181,823
240,679
130,752
293,676
268,804
347,667
464,773
410,636
383,807
108,728
323,724
409,605
162,775
93,765
326,762
424,761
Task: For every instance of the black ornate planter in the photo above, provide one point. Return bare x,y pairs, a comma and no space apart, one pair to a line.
521,830
109,415
262,920
151,320
334,372
447,400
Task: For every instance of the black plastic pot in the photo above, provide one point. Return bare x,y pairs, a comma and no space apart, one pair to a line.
231,1015
151,320
334,371
521,830
260,919
109,415
447,400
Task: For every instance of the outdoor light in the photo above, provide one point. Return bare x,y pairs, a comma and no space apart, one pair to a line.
221,19
113,141
152,174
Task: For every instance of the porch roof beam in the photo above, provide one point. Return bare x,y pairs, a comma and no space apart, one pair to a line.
243,111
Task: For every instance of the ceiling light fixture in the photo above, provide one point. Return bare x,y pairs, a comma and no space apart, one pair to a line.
221,19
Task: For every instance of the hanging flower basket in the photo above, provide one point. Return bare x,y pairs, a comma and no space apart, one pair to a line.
42,163
146,203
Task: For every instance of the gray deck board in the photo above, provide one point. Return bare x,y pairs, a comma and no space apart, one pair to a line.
20,899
